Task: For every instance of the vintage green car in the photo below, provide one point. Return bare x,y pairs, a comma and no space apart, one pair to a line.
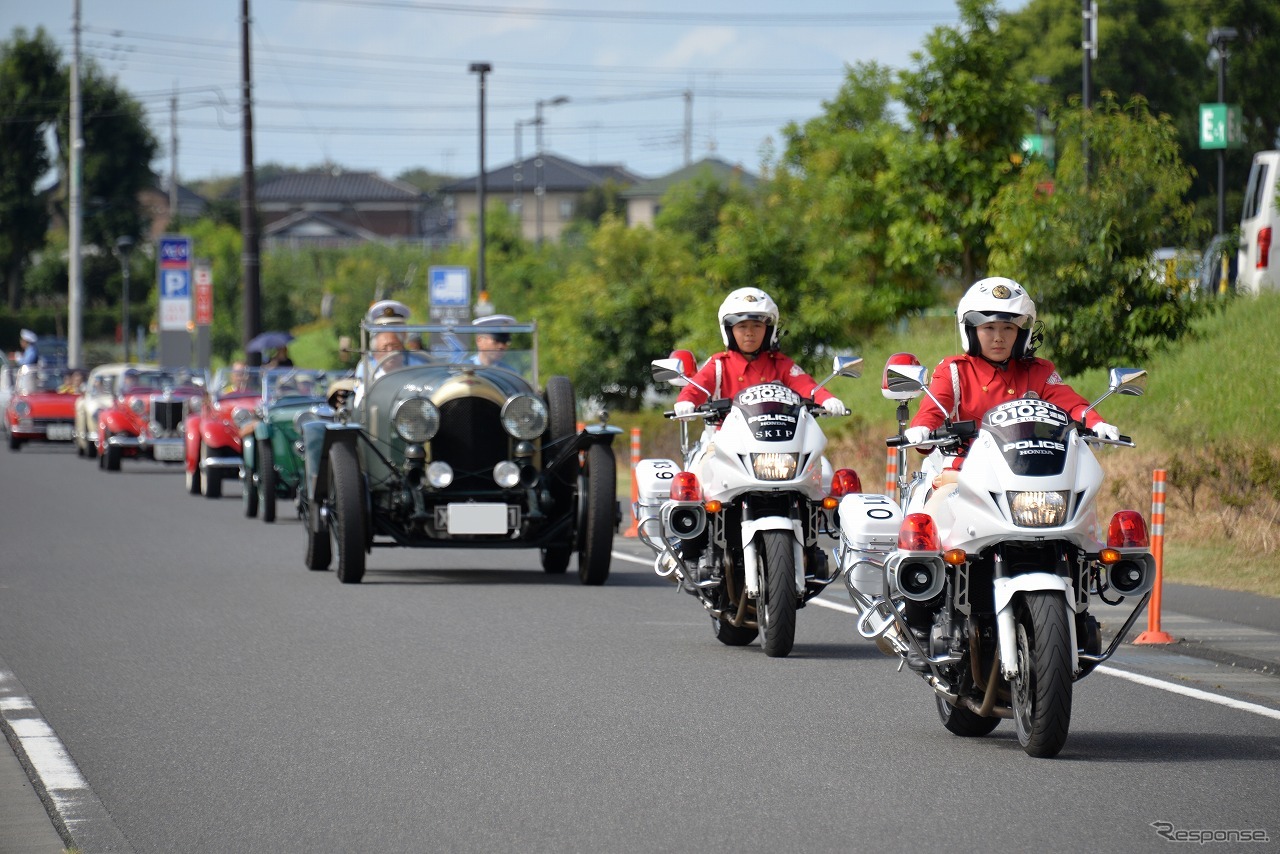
272,443
454,447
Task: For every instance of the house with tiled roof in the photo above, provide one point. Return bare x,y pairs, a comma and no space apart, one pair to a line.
644,200
515,187
337,207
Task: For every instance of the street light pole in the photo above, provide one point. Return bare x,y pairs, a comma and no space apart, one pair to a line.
480,68
517,176
123,246
540,188
1218,37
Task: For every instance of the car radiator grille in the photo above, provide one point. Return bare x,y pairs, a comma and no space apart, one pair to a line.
472,441
168,414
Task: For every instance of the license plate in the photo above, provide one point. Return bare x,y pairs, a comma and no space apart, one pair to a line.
58,432
477,519
170,453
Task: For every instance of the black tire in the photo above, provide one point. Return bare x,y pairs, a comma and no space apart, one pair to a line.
90,449
319,550
267,481
193,480
211,482
959,720
777,605
555,560
730,635
346,488
15,444
112,458
102,455
562,422
1041,691
599,515
249,481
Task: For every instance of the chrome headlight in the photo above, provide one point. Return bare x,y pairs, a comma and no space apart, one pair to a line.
138,405
1038,509
775,466
439,474
304,417
506,474
416,419
22,408
195,404
241,416
524,416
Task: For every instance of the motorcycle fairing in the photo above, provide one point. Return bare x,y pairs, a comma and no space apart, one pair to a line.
1031,436
771,411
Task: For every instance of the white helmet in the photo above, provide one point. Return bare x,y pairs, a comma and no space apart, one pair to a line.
749,304
991,300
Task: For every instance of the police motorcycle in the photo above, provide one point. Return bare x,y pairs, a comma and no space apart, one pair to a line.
986,592
738,524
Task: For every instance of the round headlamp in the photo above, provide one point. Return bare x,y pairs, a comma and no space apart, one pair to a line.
506,474
138,405
241,416
524,416
416,419
22,408
304,417
439,474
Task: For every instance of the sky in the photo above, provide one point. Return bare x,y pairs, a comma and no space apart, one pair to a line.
385,85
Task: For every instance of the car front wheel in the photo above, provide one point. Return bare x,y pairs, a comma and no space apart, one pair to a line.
346,488
599,514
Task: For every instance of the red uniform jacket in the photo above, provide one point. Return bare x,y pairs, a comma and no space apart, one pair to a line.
736,373
984,385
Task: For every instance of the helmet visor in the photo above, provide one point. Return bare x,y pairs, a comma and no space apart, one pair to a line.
977,318
735,319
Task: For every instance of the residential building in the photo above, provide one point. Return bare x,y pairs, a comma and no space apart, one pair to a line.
515,187
644,200
336,208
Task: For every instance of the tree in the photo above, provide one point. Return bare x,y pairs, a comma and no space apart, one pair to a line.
33,90
1084,250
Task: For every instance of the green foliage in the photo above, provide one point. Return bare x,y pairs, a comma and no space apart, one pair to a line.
32,86
1084,249
616,311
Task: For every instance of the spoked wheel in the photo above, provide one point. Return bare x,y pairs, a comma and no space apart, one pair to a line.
267,480
1042,688
211,481
319,549
600,504
346,488
555,559
249,481
959,720
777,605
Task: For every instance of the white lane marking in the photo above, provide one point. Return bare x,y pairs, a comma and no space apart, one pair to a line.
1196,693
1161,684
632,558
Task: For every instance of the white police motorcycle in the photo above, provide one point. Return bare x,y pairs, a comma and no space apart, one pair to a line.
738,525
986,592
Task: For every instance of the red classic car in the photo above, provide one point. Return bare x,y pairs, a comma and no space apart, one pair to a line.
147,417
41,409
213,445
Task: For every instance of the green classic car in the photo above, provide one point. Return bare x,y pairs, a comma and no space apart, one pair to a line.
272,445
457,446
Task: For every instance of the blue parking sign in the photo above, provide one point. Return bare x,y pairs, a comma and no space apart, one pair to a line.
175,284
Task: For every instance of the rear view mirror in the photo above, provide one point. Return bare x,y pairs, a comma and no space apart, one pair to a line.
668,371
1128,381
904,377
847,366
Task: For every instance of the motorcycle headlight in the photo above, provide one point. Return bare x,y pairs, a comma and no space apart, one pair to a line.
524,416
774,466
416,419
1038,509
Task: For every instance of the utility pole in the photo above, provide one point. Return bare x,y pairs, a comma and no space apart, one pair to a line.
1219,38
173,155
1089,50
75,285
249,261
481,69
688,126
541,190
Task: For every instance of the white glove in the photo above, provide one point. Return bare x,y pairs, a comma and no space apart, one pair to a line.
684,408
833,406
1106,431
915,435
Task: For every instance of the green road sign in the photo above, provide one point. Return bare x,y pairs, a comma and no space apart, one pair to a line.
1221,126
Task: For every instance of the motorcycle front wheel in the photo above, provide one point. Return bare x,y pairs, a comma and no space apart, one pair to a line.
777,605
1042,688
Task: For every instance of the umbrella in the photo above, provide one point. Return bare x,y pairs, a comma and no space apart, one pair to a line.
268,341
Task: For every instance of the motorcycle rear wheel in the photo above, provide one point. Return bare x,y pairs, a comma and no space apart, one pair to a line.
1042,688
959,720
777,605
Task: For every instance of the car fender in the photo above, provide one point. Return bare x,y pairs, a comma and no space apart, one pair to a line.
217,433
317,438
116,422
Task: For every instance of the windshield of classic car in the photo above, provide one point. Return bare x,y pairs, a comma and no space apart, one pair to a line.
31,381
237,379
294,382
511,347
134,380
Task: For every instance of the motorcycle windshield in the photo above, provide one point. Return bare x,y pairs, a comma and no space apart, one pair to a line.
1031,435
772,411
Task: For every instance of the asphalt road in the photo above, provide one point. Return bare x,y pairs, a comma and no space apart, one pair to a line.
217,696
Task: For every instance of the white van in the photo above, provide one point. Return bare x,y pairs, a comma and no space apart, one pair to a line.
1259,261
